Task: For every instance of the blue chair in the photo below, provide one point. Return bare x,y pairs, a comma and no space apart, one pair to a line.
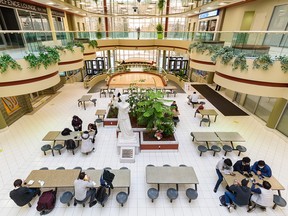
172,194
122,198
153,194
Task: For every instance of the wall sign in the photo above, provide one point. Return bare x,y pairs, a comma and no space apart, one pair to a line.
57,13
208,14
23,6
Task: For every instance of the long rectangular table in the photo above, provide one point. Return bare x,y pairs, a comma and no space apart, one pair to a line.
209,112
275,184
171,175
122,177
52,178
205,137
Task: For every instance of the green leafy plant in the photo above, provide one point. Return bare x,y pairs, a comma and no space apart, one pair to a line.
79,44
160,5
93,44
60,48
70,47
220,52
99,34
7,61
113,112
263,62
240,62
33,60
284,63
227,57
159,28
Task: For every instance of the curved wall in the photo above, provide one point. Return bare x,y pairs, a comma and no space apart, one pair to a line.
201,61
71,60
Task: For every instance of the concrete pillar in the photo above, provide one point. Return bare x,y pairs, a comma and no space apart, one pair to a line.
51,23
276,112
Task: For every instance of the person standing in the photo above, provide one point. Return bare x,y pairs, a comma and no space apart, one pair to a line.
224,166
84,189
23,195
76,123
262,195
138,33
87,145
239,194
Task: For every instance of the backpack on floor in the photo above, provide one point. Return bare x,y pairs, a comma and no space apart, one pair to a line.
70,144
222,200
46,202
101,194
108,177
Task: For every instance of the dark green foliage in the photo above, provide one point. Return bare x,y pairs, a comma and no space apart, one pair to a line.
240,62
284,63
113,112
7,61
93,44
263,62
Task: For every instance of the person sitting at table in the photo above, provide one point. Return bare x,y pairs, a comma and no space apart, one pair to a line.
224,166
261,169
84,189
76,123
175,111
239,194
23,195
201,107
262,195
193,99
174,104
242,166
87,145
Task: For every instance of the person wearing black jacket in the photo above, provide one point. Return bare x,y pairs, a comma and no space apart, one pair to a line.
239,195
76,123
242,166
23,195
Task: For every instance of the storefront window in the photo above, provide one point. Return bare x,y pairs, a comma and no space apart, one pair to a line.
251,102
264,107
282,125
25,19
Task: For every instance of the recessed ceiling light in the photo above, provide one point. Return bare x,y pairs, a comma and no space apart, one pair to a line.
50,3
66,8
191,3
209,8
76,11
222,3
82,3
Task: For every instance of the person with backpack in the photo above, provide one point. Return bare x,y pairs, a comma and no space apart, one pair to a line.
23,195
224,166
84,189
76,123
87,146
239,194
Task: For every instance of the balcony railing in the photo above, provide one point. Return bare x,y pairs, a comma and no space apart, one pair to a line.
20,42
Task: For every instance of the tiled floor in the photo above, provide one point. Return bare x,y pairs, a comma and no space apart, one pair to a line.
20,153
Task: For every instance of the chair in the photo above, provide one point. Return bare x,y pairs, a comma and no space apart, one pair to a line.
98,121
153,194
123,168
182,165
202,149
103,92
121,198
278,200
80,168
66,197
191,194
166,165
47,147
215,149
44,168
80,202
227,148
205,120
60,168
58,148
79,103
240,148
94,101
91,168
172,194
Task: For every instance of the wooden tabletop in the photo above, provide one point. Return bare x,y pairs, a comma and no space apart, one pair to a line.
205,137
122,177
166,175
51,135
53,178
230,137
85,98
208,112
275,184
100,112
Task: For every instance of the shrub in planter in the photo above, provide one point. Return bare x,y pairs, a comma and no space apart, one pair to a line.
263,62
240,62
284,63
7,61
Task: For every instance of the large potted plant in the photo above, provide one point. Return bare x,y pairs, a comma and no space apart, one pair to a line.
159,29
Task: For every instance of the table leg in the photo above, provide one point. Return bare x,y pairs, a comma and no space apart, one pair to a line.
196,187
128,190
158,186
177,187
279,193
84,105
207,144
232,145
215,118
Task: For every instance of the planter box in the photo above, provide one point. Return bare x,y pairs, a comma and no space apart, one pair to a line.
71,60
158,145
110,121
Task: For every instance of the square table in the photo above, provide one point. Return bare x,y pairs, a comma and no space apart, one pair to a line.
50,136
230,137
101,112
171,175
74,135
205,137
85,98
122,177
209,112
275,184
53,178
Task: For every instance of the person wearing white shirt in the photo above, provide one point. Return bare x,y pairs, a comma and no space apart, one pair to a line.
224,166
193,99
